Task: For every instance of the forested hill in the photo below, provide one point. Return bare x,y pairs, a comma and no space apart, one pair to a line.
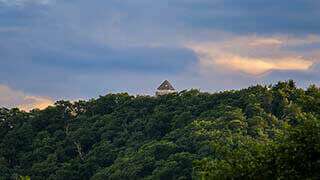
258,133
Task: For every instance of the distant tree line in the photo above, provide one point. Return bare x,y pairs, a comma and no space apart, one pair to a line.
262,132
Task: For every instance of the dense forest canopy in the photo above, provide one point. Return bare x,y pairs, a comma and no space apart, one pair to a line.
261,132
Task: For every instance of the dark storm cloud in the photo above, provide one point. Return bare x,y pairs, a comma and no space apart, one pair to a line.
252,16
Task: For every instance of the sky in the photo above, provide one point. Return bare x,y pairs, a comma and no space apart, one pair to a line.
79,49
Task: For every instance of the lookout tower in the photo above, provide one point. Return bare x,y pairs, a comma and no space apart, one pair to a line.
165,88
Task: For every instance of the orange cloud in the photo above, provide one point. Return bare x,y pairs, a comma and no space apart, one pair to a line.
265,42
13,98
258,66
251,55
35,103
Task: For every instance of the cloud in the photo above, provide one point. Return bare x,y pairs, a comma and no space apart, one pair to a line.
260,66
281,40
253,55
24,2
13,98
76,43
307,40
266,42
11,29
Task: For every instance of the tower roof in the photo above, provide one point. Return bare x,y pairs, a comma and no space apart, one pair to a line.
166,86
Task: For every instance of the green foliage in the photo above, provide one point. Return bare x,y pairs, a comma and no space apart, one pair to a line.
255,133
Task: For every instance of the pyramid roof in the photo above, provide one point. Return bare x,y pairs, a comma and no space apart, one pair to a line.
166,86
